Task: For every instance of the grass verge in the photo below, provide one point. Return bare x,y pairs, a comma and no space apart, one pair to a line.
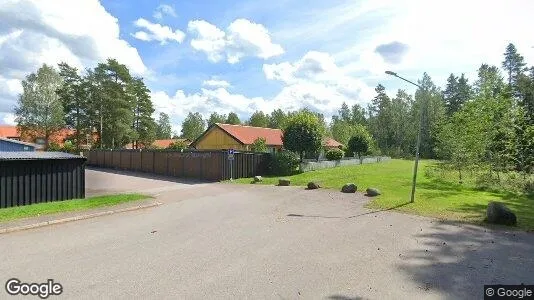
435,197
19,212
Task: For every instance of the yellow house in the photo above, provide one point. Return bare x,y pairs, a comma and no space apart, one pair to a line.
225,136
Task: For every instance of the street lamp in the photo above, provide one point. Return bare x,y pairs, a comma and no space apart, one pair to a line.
418,144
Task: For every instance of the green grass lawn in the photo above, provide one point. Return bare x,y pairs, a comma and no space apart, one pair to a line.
11,213
441,198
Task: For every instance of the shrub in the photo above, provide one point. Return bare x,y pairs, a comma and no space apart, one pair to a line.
284,163
69,147
259,145
178,145
303,134
53,147
334,154
359,144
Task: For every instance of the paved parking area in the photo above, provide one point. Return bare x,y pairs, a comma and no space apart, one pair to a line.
106,181
224,241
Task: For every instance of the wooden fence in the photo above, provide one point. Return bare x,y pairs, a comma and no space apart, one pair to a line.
206,165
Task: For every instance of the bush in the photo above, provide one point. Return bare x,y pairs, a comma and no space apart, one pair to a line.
284,163
69,147
334,154
178,145
54,147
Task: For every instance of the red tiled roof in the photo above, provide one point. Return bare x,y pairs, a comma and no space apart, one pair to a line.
167,143
9,131
248,134
330,142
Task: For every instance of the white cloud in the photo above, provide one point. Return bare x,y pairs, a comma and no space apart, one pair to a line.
210,39
164,10
157,32
206,101
9,119
216,83
315,81
34,32
242,38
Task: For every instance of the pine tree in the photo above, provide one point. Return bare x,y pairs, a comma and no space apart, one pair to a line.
465,91
144,126
259,119
216,118
74,98
514,65
451,95
278,119
233,119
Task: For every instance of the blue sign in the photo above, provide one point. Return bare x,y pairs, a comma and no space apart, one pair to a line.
231,151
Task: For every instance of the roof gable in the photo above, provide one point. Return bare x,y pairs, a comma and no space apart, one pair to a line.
248,134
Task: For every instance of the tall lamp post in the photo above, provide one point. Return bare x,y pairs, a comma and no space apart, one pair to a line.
418,144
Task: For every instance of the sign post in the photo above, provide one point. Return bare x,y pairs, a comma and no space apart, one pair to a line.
231,159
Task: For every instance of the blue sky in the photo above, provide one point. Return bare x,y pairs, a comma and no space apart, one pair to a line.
245,55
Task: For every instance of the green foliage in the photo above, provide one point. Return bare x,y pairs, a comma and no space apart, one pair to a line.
177,145
163,127
69,147
359,143
233,119
259,145
144,126
284,163
216,118
278,119
437,197
75,100
303,134
259,119
193,126
39,110
334,154
53,147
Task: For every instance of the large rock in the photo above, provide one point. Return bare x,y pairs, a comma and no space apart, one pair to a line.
372,192
498,213
284,182
313,185
349,188
258,179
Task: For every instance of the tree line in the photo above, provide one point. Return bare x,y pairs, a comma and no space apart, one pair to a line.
487,122
105,106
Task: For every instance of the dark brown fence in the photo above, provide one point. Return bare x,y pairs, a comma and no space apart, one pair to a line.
207,165
40,178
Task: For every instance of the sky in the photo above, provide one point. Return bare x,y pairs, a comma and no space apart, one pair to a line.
240,55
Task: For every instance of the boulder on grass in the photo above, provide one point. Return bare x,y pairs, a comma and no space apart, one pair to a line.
498,213
258,179
372,192
284,182
313,185
349,188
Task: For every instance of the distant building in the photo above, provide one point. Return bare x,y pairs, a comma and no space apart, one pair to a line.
59,137
10,145
162,143
239,137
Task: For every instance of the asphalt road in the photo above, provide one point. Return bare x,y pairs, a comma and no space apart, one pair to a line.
221,241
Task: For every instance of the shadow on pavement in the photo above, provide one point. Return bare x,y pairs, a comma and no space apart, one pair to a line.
350,217
459,261
143,175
